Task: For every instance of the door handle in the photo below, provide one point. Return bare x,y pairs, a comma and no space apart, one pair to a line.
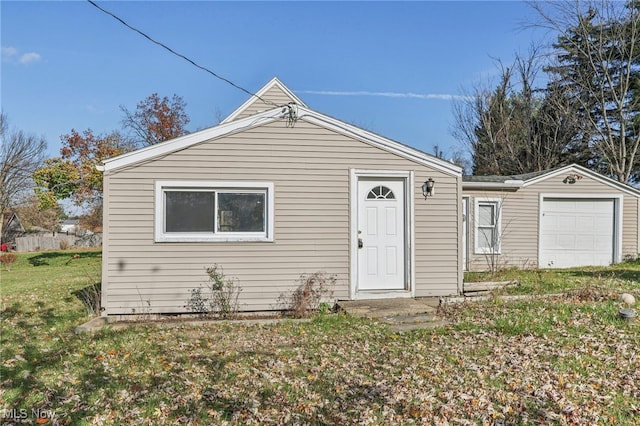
360,243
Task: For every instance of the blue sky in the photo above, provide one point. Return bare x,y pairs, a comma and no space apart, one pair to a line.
389,67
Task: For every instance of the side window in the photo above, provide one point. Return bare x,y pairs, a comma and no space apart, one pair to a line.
213,211
487,226
241,212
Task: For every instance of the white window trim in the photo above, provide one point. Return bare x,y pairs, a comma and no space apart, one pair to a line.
476,220
247,187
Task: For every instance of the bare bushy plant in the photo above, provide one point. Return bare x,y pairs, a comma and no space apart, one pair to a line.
90,297
7,259
219,298
306,298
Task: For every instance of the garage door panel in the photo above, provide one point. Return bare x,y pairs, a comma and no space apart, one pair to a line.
565,222
585,241
603,241
566,242
584,222
576,232
604,223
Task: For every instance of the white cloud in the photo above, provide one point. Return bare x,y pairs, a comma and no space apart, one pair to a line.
9,51
13,55
411,95
30,57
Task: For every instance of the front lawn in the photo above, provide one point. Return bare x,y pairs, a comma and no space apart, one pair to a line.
561,360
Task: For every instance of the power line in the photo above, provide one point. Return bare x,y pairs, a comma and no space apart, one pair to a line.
192,62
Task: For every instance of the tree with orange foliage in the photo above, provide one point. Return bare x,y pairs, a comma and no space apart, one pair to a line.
156,119
74,174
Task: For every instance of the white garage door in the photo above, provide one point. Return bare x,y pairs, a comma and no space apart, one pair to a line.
576,232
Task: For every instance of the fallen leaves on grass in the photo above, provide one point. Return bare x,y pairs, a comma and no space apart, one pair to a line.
560,361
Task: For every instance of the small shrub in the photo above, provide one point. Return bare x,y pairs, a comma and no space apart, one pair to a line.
324,308
220,298
7,259
65,244
307,297
197,303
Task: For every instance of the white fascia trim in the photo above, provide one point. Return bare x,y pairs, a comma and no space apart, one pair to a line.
507,184
618,200
186,141
161,237
593,175
252,99
379,141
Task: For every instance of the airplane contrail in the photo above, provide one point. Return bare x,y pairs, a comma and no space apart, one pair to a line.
439,96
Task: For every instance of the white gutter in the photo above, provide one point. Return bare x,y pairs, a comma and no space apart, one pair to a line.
507,184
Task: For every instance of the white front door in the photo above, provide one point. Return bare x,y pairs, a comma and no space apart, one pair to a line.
381,234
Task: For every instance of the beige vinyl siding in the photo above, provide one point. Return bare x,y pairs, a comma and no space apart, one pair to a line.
518,233
310,169
521,215
630,214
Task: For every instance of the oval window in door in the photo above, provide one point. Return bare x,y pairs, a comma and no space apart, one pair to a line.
380,192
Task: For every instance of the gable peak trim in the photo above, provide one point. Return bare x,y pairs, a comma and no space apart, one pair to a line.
378,141
274,82
584,171
173,145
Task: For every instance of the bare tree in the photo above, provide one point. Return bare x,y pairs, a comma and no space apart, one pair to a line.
514,127
20,155
597,61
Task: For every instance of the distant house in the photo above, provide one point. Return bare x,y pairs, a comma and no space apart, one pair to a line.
11,228
275,191
566,217
69,226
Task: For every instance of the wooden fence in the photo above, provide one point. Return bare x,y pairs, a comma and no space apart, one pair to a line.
50,242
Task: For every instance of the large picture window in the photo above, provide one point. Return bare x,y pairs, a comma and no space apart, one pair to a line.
487,224
214,211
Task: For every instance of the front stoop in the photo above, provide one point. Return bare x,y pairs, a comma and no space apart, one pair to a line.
399,314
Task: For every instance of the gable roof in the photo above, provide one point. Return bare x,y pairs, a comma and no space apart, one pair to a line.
523,180
292,113
273,94
11,219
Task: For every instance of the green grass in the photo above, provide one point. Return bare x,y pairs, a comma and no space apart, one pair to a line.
624,276
561,360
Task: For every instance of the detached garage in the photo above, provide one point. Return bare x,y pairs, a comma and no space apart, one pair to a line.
561,218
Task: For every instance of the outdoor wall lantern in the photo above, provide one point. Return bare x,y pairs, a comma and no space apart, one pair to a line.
571,179
427,188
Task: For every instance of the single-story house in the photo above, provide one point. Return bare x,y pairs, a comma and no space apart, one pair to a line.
275,191
565,217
